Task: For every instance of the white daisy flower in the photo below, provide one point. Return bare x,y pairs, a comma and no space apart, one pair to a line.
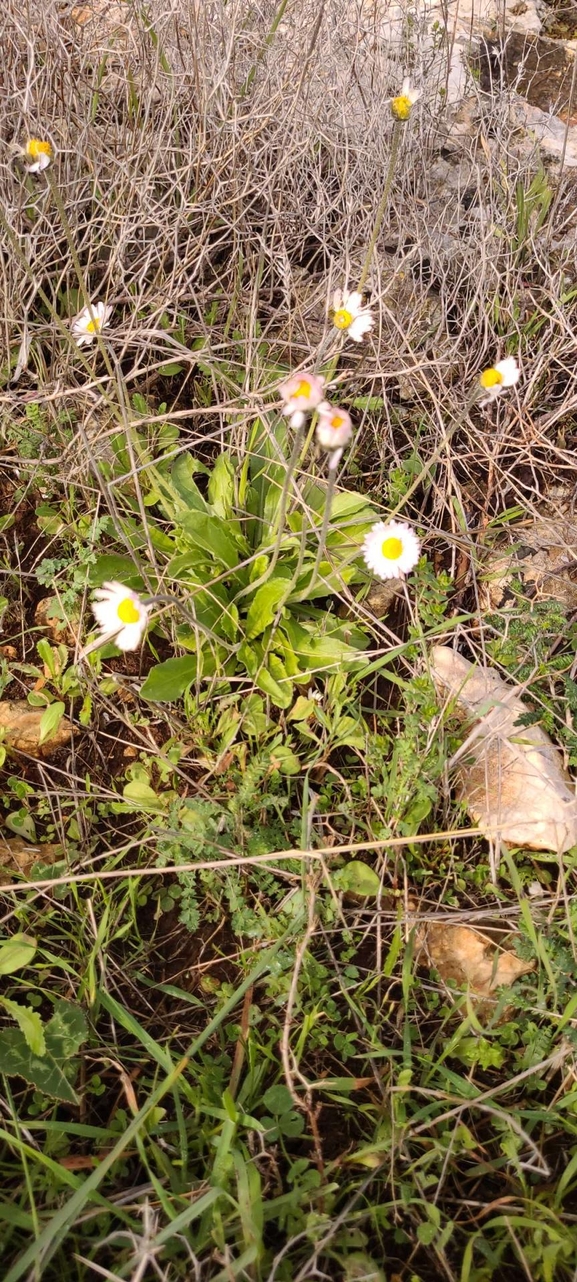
403,104
300,393
120,614
391,549
350,315
334,428
39,152
90,322
493,381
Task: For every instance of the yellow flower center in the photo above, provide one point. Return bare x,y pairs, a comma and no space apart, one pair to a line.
343,318
35,147
93,327
491,378
392,548
401,107
127,611
302,390
337,421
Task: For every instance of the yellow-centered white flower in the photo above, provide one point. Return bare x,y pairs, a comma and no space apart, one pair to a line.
39,151
497,378
334,427
402,105
120,614
391,549
350,316
90,322
301,393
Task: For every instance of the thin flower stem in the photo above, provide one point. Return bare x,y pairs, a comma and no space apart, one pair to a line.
398,127
58,201
325,525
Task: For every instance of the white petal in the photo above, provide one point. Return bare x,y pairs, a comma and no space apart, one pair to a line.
509,371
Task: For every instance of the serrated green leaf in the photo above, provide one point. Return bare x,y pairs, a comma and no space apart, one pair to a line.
63,1034
30,1024
50,721
15,953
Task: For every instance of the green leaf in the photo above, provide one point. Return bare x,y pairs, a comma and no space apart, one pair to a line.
182,478
277,1100
22,823
170,369
63,1035
50,721
16,953
30,1024
221,486
265,604
303,709
358,879
120,568
284,759
143,796
211,534
167,681
281,696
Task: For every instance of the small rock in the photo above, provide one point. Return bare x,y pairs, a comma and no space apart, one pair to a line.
21,726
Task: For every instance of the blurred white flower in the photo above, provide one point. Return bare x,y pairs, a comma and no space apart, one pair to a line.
391,549
120,614
403,104
300,393
39,152
493,381
349,314
86,326
334,428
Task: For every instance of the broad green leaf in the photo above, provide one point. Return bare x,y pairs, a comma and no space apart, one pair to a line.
284,759
22,823
302,709
318,652
281,695
211,608
278,1099
66,1030
182,478
50,721
265,605
120,568
349,733
143,796
210,533
63,1034
30,1024
221,486
167,681
358,879
170,369
16,953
